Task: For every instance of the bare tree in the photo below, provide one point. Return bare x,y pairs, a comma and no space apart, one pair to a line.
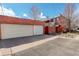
75,22
35,13
68,13
2,11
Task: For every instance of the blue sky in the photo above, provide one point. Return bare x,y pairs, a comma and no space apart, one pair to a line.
23,10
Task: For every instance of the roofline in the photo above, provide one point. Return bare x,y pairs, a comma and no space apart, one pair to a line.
15,20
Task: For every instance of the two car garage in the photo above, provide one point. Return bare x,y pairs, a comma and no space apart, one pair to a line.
15,27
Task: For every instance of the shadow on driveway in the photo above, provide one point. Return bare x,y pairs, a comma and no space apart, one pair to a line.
8,43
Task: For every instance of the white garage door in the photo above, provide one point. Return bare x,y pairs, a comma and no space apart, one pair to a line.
14,30
38,30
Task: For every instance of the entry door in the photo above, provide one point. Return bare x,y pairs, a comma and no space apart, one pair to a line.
46,30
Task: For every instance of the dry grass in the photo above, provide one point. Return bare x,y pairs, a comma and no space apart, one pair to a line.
70,35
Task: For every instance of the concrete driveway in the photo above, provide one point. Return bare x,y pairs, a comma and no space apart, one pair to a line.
57,47
44,45
12,46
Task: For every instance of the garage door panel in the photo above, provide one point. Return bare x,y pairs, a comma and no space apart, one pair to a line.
16,30
12,30
38,30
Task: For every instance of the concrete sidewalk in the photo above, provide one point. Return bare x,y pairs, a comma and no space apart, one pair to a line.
12,46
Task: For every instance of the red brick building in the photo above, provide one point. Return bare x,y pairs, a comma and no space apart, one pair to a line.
61,23
49,27
57,24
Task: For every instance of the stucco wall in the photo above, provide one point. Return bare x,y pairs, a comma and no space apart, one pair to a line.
16,30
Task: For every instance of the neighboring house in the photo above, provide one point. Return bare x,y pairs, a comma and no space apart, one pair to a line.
57,24
11,27
61,21
49,27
